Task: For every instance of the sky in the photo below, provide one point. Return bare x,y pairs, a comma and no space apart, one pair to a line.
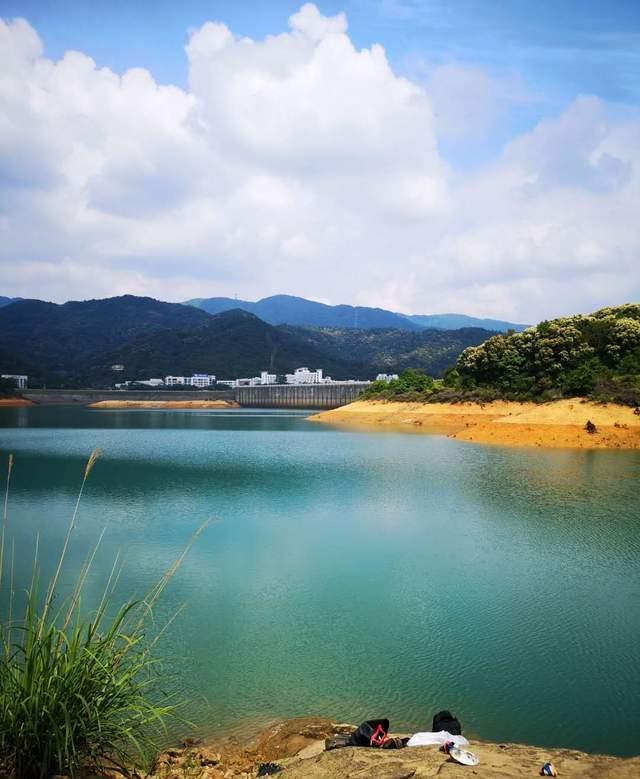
419,155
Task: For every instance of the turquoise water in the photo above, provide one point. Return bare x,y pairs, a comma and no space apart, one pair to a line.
357,574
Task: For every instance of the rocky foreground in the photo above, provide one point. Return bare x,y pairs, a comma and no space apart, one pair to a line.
297,748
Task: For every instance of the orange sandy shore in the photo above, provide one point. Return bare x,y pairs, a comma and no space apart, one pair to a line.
559,424
14,402
164,404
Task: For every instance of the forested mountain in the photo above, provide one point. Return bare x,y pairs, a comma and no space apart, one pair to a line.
76,344
392,351
290,310
64,337
457,321
234,343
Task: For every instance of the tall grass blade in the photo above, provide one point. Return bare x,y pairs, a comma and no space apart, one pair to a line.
5,515
54,581
79,690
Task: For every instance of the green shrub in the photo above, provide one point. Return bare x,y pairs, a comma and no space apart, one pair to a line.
78,690
412,385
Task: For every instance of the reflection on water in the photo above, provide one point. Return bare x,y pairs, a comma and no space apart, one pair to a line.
357,573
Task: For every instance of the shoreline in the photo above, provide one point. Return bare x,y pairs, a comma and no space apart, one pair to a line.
557,424
297,747
160,404
15,402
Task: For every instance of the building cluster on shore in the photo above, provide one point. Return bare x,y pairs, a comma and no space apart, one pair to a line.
301,376
19,380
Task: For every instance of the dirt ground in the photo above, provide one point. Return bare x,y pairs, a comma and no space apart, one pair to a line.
559,424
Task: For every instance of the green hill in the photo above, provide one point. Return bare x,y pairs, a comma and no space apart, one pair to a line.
596,354
59,341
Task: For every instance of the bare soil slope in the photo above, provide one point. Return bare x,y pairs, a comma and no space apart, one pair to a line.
557,424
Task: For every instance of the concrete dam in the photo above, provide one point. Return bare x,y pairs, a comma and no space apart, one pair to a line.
321,396
299,395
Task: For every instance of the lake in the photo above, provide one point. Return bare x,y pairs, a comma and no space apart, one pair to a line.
355,574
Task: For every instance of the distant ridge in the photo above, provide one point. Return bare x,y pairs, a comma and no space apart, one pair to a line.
458,321
5,301
291,310
297,311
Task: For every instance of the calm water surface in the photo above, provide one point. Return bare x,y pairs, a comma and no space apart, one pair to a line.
357,574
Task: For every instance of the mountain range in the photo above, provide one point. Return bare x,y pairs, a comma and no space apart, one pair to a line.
75,344
291,310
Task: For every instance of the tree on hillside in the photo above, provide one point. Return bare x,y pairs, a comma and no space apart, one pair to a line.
576,355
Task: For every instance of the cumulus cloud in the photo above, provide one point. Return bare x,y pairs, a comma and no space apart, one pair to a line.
300,163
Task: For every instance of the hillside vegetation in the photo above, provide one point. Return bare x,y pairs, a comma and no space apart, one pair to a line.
595,355
393,350
55,343
228,345
75,344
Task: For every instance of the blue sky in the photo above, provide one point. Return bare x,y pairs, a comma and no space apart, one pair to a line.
557,49
488,161
562,48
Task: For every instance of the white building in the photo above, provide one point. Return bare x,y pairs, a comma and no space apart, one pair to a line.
305,376
387,377
268,378
20,380
201,380
174,381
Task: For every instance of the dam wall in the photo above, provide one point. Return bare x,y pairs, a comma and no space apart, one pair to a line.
299,396
320,396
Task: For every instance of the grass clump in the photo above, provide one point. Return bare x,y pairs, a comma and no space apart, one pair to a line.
78,691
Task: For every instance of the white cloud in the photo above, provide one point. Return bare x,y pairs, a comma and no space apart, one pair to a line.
468,101
302,164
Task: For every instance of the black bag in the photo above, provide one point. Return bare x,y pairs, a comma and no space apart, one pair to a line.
372,733
444,720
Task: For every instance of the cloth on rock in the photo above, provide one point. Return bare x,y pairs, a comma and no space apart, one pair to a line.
428,738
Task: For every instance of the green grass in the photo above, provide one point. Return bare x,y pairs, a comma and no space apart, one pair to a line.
78,689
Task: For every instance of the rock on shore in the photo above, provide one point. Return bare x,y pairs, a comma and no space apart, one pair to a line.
297,746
